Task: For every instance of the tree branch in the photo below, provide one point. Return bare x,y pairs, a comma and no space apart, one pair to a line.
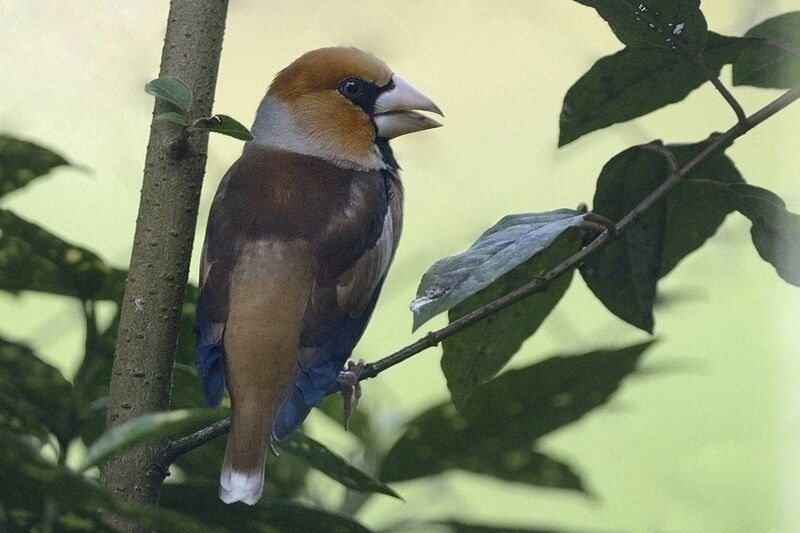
193,441
540,283
159,267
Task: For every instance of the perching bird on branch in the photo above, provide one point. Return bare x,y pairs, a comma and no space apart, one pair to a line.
300,236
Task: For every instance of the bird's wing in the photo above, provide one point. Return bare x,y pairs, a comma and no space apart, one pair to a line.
220,253
336,316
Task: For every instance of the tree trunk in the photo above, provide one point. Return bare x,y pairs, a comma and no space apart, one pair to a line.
165,226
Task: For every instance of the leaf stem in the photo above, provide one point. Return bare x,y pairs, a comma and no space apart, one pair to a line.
713,78
186,444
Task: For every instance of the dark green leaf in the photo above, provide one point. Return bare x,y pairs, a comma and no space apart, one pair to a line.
175,118
477,353
173,91
695,209
186,339
507,244
21,417
496,434
653,23
39,488
21,162
185,388
269,515
93,376
35,260
775,231
776,63
636,81
34,395
333,465
548,395
625,274
149,428
223,124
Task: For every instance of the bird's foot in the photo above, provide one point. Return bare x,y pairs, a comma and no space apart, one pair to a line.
349,382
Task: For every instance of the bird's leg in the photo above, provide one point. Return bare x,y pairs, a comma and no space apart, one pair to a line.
349,382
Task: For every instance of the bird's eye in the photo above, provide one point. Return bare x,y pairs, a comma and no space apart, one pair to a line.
351,88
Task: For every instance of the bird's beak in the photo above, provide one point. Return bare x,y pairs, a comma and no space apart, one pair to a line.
396,110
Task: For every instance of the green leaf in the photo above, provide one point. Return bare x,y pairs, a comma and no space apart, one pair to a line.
173,91
775,231
776,63
94,374
21,162
636,81
175,118
34,395
333,465
477,353
148,428
270,515
40,489
187,340
185,388
496,434
625,274
222,124
653,23
695,209
35,260
506,245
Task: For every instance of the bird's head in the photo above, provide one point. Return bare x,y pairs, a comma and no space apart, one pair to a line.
339,104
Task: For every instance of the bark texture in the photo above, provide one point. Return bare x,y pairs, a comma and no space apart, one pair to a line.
165,226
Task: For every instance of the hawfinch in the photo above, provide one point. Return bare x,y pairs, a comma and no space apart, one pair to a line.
301,233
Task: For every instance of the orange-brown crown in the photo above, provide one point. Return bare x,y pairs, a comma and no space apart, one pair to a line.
323,69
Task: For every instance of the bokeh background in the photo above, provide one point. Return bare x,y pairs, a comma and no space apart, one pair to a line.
704,438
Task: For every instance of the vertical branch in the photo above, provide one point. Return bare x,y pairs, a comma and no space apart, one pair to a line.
165,226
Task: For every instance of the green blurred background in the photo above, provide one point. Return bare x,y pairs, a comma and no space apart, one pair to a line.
703,439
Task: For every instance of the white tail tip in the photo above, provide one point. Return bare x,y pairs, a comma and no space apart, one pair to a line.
235,486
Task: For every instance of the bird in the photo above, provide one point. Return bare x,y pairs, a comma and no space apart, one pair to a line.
300,235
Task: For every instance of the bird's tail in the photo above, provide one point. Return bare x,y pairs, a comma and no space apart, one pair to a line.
242,477
268,296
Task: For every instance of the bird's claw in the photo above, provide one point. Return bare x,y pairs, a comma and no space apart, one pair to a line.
350,384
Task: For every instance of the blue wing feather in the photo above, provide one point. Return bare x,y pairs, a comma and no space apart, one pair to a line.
313,383
209,357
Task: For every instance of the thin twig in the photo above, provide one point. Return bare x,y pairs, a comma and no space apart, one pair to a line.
713,78
663,151
186,444
538,284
